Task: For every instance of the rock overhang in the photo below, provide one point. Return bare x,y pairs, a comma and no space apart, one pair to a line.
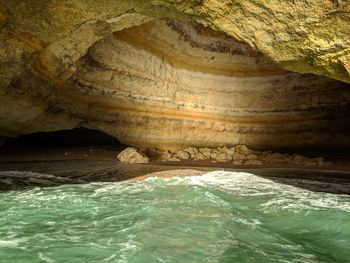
213,92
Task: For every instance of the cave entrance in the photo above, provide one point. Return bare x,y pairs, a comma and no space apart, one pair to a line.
64,151
78,137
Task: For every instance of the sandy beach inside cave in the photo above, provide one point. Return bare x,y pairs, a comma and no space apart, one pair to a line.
99,164
339,161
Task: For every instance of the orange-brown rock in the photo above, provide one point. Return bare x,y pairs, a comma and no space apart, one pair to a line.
115,66
169,85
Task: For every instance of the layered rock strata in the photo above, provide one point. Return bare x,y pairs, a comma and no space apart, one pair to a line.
304,36
164,84
169,85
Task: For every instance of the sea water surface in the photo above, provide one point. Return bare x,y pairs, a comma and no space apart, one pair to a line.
217,217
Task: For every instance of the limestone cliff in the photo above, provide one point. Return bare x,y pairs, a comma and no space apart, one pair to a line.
170,74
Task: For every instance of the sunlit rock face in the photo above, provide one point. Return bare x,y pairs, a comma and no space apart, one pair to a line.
169,85
304,36
112,65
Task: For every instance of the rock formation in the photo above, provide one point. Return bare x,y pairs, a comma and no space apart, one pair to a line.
241,155
131,155
171,74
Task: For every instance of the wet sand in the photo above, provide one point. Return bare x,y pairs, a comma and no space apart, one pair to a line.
99,164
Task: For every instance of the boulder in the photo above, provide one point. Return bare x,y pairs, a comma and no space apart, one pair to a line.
230,151
214,153
239,157
206,152
183,155
222,157
200,156
131,155
242,149
166,156
170,157
192,151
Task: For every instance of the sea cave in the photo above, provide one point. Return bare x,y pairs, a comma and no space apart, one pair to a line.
174,131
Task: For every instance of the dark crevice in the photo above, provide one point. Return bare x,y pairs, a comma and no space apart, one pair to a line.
79,137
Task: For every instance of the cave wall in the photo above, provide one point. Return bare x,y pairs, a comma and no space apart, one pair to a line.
169,85
209,80
302,36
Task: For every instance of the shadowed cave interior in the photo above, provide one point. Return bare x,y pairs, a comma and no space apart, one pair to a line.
78,137
85,138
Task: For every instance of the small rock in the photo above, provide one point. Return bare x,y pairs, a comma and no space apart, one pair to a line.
237,162
183,155
131,155
192,151
242,149
229,151
252,156
199,156
239,157
166,156
206,152
214,153
222,157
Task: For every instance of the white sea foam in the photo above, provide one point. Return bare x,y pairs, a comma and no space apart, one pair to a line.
9,243
12,243
46,258
211,214
282,196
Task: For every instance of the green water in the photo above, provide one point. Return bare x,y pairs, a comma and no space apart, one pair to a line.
219,217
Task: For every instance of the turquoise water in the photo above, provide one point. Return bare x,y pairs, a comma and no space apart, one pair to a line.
219,217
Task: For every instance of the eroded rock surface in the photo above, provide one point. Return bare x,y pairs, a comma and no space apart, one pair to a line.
242,155
131,155
169,85
201,77
305,36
